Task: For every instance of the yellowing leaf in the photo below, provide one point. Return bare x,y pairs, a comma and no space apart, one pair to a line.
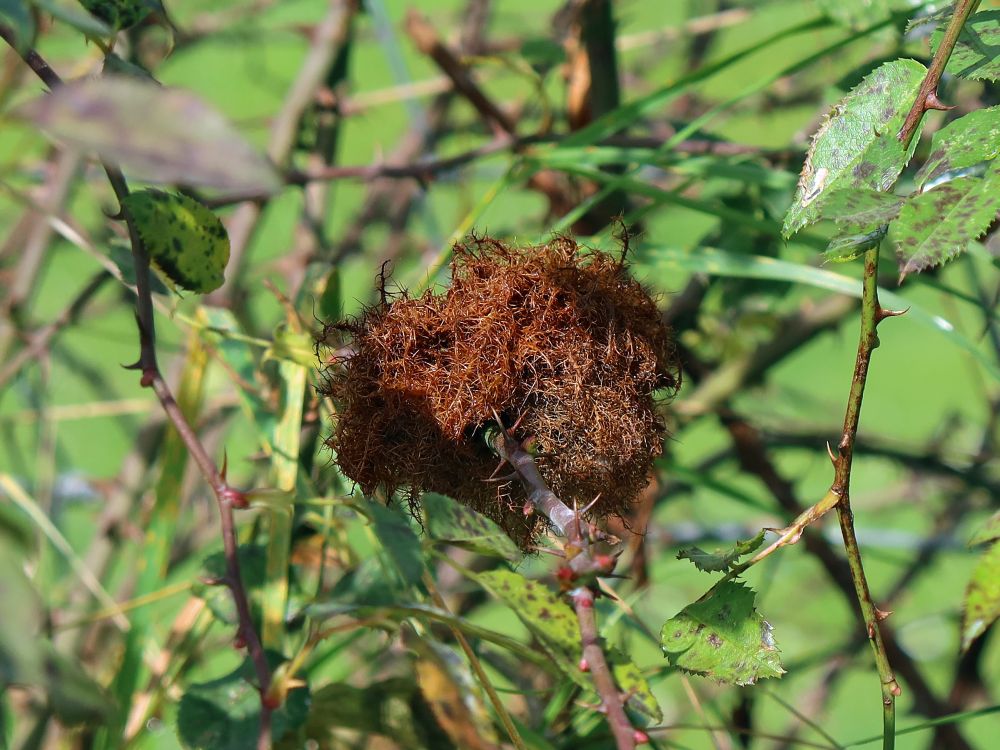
982,597
185,240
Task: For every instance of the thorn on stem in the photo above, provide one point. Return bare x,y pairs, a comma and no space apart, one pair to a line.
882,313
881,614
829,452
931,101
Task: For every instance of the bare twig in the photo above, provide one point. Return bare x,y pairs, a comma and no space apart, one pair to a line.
226,496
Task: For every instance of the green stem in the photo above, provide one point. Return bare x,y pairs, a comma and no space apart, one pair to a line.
872,313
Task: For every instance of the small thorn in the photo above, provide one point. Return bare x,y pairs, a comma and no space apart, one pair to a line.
225,466
499,466
871,632
883,313
931,101
881,614
500,480
590,505
829,452
137,365
148,377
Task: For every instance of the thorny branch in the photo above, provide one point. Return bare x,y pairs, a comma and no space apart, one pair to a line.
227,497
583,564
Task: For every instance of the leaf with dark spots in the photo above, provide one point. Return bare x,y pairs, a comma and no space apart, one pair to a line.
977,52
449,521
935,226
723,637
856,147
154,133
714,562
547,616
860,208
971,139
631,682
182,238
982,596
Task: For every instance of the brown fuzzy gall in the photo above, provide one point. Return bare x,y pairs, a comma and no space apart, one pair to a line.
560,341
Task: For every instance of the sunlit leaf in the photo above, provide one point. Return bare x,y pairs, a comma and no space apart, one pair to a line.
224,714
856,147
935,226
975,54
450,521
965,142
632,683
851,246
982,596
860,208
723,637
156,134
546,615
183,238
720,560
988,532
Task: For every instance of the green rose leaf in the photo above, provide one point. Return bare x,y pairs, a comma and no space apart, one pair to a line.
856,147
935,226
546,615
450,521
632,683
723,637
861,208
988,532
982,596
185,240
965,142
975,53
720,560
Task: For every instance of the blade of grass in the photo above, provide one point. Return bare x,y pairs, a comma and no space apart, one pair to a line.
717,262
27,504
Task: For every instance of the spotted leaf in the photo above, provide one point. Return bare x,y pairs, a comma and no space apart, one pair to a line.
935,226
966,142
856,147
723,637
975,54
184,239
449,521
